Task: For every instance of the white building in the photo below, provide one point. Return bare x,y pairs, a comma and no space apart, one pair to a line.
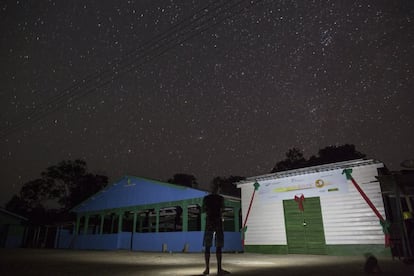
315,210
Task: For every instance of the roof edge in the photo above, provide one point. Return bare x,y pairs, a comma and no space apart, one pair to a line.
312,169
13,214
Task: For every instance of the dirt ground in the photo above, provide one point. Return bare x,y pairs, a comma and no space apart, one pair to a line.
75,262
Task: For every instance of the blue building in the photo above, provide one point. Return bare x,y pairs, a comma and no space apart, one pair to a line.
12,229
146,215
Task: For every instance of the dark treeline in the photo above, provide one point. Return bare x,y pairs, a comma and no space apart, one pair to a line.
65,185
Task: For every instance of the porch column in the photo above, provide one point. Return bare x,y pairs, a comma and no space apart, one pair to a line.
57,236
140,223
102,224
184,206
43,245
157,219
77,224
236,211
120,217
85,227
134,225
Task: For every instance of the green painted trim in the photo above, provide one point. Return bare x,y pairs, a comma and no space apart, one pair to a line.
85,227
358,249
266,249
120,217
102,223
236,212
157,206
184,216
157,219
160,205
134,226
332,250
77,225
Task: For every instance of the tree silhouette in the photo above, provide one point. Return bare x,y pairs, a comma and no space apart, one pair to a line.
187,180
294,160
227,185
331,154
60,188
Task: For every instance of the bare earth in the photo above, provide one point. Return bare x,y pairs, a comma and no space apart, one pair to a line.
75,262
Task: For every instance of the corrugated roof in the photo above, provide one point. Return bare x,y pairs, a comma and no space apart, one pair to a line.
314,169
135,191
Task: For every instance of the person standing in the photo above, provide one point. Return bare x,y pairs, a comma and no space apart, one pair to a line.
213,206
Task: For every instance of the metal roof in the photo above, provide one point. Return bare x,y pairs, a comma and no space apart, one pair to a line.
135,191
313,169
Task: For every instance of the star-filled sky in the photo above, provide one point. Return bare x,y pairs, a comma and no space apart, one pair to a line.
210,88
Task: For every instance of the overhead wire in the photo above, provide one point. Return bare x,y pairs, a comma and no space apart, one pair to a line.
154,48
66,95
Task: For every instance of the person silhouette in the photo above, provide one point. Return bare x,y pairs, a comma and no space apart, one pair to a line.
213,206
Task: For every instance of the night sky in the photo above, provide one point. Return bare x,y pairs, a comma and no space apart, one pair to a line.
210,88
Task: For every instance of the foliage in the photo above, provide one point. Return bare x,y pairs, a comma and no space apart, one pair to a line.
60,188
227,185
331,154
187,180
294,160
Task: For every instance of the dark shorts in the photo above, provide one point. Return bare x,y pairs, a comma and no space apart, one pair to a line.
214,229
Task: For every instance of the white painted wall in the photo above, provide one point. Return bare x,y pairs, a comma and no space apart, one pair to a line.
266,223
347,217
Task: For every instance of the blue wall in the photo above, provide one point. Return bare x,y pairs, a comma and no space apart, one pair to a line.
175,241
13,241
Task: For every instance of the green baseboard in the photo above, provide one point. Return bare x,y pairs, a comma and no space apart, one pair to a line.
358,250
333,250
266,249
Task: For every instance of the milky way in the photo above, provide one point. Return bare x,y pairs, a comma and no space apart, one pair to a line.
138,88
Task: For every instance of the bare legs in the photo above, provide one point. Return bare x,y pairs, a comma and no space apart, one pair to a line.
220,270
207,261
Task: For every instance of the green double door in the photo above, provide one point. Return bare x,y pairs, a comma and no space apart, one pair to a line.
304,229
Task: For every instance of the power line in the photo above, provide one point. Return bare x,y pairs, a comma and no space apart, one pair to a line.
70,92
183,31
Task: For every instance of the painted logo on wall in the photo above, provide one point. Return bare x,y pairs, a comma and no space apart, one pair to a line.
310,185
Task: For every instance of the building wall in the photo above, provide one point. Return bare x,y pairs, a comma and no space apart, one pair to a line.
347,219
155,242
12,230
142,237
265,224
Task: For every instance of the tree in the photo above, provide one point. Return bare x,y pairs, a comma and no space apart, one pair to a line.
227,185
331,154
294,160
183,179
60,188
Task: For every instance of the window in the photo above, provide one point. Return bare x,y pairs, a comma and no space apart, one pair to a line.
127,221
94,224
81,225
110,223
146,221
228,219
171,219
194,218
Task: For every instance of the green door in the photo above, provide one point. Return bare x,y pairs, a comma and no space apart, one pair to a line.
304,229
